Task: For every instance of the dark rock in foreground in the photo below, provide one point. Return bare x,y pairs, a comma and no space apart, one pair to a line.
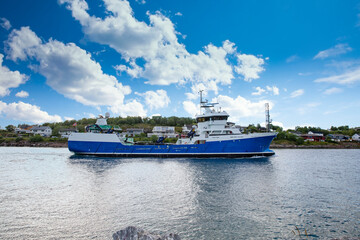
134,233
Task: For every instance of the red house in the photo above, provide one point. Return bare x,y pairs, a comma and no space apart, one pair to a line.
313,137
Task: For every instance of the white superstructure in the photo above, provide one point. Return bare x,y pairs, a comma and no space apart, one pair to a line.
212,125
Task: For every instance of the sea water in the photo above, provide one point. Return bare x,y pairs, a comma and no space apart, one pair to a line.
48,193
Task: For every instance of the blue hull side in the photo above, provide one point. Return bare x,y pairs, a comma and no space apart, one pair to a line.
231,148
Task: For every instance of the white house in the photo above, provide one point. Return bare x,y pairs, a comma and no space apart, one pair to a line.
163,131
44,131
356,137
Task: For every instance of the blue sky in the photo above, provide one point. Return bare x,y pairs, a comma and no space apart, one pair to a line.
71,59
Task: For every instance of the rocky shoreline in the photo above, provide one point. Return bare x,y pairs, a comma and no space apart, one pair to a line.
34,144
344,145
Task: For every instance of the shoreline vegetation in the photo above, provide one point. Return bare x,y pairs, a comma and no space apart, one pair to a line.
290,138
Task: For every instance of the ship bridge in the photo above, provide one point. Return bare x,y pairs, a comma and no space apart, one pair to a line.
212,122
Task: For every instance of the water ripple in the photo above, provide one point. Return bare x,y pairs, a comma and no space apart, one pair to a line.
48,193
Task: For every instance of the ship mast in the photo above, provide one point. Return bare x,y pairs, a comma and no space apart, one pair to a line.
267,117
201,100
205,103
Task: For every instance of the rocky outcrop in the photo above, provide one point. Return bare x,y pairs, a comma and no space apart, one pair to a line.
134,233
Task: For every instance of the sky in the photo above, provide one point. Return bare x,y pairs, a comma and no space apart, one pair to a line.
72,59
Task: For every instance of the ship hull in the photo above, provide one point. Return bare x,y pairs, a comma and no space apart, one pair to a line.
110,146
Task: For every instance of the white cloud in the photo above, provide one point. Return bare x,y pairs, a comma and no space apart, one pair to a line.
130,108
9,79
91,115
178,14
134,70
72,72
4,23
331,112
274,123
297,93
259,91
305,74
21,43
334,51
249,66
313,104
292,58
157,99
349,77
240,107
205,87
166,60
191,108
26,112
279,124
22,94
273,89
69,118
332,91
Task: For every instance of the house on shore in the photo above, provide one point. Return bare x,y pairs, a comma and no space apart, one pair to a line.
313,137
356,137
339,137
44,131
24,128
132,132
163,131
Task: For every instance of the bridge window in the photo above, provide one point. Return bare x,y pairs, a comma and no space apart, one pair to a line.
220,118
205,119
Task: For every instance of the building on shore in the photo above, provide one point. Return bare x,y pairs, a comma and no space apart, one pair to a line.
313,137
24,128
132,132
163,131
356,137
339,137
65,133
44,131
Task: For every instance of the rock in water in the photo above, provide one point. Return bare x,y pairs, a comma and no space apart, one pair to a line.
134,233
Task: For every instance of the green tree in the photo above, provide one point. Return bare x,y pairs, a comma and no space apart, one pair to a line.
291,137
10,128
276,128
154,138
281,136
299,141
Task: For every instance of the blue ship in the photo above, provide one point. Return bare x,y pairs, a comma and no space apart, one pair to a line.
213,136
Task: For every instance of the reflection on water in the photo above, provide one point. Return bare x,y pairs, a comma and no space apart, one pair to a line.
94,164
49,193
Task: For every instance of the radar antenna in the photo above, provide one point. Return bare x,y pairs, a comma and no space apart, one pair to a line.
205,104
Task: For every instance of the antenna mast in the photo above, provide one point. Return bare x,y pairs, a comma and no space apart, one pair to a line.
201,101
267,117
